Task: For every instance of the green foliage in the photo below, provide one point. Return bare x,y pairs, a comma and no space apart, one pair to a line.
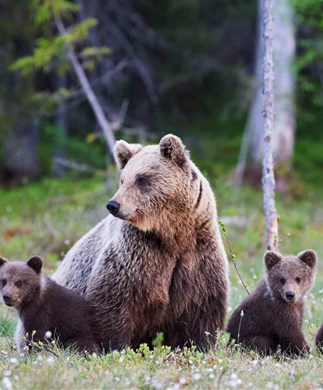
54,48
310,53
46,9
45,52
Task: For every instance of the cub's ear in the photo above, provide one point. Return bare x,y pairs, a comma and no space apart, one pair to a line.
309,257
2,261
272,258
35,263
123,152
172,147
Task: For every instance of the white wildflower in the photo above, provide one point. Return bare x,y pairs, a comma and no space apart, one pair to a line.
241,313
173,387
50,360
7,383
157,385
48,334
182,381
234,381
196,377
13,360
211,376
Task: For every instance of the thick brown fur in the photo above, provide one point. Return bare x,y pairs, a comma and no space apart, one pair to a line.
44,306
267,318
160,266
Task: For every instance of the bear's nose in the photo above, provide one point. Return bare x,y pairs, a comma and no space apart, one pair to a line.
113,207
6,297
290,295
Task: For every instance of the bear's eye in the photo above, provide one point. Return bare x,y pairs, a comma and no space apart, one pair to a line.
18,284
282,280
298,280
121,181
141,181
4,282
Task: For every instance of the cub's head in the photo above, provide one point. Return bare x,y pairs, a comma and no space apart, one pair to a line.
19,281
290,277
156,182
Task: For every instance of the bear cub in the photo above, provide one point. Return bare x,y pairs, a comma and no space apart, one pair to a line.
45,308
273,314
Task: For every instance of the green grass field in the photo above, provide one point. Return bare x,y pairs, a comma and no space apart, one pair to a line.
48,217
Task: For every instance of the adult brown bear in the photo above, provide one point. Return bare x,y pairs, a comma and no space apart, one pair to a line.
157,264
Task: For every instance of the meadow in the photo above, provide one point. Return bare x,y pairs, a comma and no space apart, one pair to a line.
46,218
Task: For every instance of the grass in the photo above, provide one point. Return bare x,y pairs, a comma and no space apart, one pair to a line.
48,217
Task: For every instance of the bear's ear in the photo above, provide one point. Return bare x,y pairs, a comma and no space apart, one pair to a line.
309,257
172,147
123,152
2,261
35,263
272,258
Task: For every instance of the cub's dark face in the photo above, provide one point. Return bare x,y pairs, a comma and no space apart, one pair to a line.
290,277
19,281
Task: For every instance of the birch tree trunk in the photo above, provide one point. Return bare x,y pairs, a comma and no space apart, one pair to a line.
88,90
268,178
284,91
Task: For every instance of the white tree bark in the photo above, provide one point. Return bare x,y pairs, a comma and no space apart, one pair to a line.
94,102
284,90
268,178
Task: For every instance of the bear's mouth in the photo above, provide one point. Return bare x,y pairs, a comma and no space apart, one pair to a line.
10,303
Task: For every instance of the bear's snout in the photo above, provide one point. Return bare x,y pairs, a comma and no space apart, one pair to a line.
113,207
290,296
7,299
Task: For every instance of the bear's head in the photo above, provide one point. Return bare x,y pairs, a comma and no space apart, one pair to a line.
19,281
290,277
158,183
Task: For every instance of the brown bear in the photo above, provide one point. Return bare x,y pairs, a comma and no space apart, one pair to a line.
46,309
272,315
319,339
157,263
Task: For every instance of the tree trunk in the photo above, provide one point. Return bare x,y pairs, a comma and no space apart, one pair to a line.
268,178
60,133
21,153
88,90
284,90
